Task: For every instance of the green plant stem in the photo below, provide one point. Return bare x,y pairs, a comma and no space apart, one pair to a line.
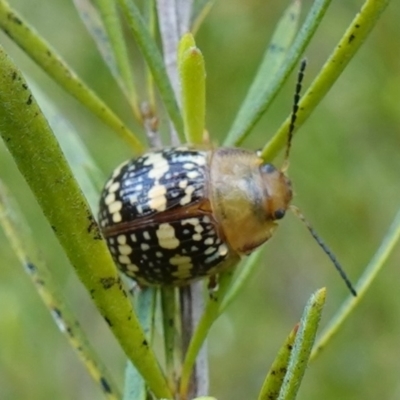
45,56
374,267
168,303
347,47
37,154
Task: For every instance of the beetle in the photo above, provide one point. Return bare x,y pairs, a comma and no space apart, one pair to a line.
178,214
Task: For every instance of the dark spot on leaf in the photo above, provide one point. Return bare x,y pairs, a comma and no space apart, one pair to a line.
92,292
107,282
104,384
357,26
290,347
29,101
25,86
54,229
273,372
351,38
144,343
93,228
57,312
14,75
109,323
70,332
282,370
12,17
30,267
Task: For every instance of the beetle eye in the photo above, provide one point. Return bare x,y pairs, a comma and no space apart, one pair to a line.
279,214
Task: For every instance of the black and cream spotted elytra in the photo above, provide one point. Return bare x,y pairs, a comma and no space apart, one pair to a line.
179,214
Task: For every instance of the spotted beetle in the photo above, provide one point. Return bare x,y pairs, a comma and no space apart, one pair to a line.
178,214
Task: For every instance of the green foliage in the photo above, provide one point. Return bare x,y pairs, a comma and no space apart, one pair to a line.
330,167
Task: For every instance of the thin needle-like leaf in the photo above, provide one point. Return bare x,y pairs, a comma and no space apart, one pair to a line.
109,39
192,75
273,59
155,62
242,275
239,132
21,239
88,175
390,240
149,15
302,346
109,13
200,10
274,379
145,305
38,156
46,57
347,47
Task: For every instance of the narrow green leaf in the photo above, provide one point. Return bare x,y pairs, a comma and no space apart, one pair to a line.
347,47
94,25
243,272
78,156
238,133
38,156
155,62
272,61
201,8
209,316
46,57
192,76
110,42
302,346
274,379
376,264
109,13
21,239
149,15
145,305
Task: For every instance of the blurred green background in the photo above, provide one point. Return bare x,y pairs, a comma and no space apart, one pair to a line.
345,166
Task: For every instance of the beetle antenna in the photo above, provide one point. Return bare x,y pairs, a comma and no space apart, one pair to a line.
293,117
325,248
